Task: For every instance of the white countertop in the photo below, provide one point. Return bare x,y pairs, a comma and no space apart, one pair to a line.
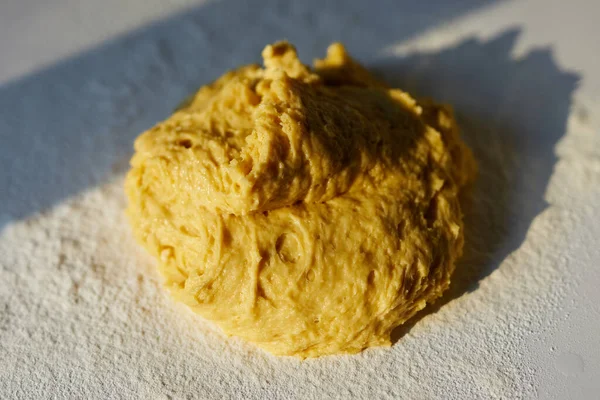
82,312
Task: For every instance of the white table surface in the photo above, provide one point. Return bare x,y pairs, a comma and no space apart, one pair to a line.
82,312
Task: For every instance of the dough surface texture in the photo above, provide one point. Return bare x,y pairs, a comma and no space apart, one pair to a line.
308,211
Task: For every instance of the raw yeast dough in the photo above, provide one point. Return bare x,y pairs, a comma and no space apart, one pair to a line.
308,211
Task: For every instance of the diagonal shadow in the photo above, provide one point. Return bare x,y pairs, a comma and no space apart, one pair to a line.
71,126
512,112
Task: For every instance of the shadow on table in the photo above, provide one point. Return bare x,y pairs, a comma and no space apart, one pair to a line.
512,113
71,126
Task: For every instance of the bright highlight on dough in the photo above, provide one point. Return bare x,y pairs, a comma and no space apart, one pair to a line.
308,211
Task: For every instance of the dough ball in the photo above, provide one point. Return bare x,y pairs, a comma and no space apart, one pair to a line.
308,211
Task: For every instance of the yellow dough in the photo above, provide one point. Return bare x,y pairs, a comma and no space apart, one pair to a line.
308,211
